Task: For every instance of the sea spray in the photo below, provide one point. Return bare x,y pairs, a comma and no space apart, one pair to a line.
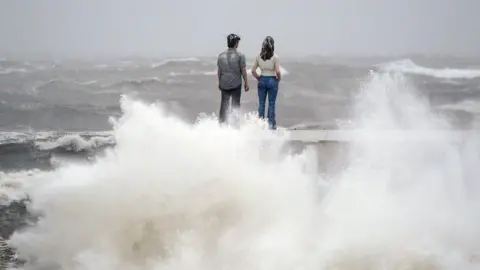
171,195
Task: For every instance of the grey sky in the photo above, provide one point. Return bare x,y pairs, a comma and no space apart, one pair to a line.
196,27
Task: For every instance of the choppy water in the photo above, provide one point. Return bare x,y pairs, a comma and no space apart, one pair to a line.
177,191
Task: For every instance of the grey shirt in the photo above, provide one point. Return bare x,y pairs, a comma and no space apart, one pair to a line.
230,64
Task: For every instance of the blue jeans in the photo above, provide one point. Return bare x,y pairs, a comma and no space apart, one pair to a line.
267,87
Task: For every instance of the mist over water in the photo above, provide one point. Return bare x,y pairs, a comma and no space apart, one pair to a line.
169,189
175,195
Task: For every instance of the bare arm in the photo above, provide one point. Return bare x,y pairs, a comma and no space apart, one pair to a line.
245,79
254,69
244,75
243,66
219,73
277,70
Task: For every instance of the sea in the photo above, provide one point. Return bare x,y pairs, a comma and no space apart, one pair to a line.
121,164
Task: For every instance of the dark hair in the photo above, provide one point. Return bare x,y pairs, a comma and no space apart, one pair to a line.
268,48
232,40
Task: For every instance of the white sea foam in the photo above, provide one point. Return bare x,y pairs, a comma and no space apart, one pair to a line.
408,66
7,71
471,106
75,142
174,60
178,196
192,73
14,186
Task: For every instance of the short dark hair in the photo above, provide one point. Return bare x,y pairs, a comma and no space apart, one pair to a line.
232,40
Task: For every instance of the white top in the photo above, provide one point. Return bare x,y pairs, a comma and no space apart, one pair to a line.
267,67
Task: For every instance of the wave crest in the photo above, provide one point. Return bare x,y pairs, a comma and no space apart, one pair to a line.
408,66
189,207
172,195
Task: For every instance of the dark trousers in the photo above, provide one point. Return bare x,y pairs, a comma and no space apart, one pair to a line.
227,95
268,87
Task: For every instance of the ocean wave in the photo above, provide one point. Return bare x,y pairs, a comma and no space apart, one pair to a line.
11,142
408,66
174,195
50,149
14,137
25,106
76,143
144,82
7,71
192,73
57,84
13,185
174,61
91,82
77,140
470,106
12,67
139,83
451,82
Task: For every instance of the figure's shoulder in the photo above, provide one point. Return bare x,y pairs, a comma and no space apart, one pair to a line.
240,54
222,54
